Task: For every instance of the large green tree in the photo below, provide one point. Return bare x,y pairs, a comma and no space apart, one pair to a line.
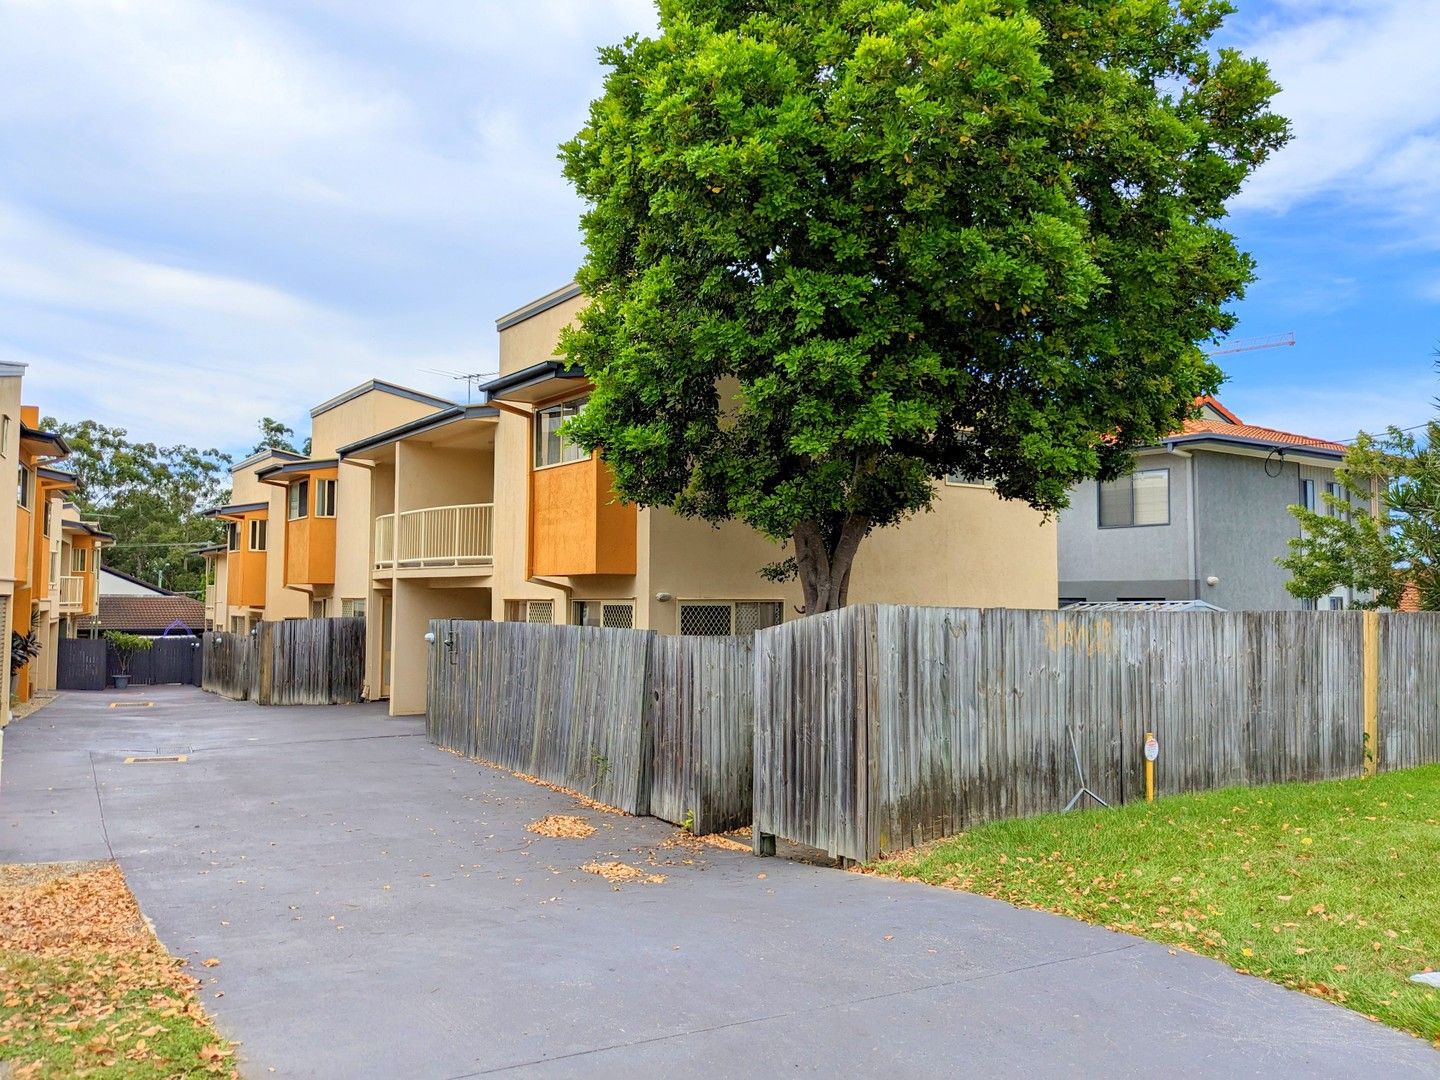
277,436
1382,534
837,249
150,497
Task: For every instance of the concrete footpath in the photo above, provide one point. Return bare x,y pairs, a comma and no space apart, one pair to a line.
379,910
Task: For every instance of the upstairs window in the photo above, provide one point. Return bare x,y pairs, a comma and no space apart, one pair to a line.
26,482
960,479
257,534
1337,491
324,498
299,499
1141,498
551,448
77,560
1307,495
232,536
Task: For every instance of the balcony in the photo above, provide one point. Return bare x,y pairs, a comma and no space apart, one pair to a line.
435,537
210,595
72,593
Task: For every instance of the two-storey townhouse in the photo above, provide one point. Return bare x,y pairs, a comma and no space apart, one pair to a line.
12,572
81,545
1203,516
39,497
487,512
298,528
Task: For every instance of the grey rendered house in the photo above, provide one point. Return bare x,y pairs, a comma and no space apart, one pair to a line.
1203,517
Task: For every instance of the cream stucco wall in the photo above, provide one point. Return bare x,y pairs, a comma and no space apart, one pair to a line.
534,340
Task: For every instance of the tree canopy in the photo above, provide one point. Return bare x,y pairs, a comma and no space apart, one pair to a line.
148,496
839,249
1382,534
277,436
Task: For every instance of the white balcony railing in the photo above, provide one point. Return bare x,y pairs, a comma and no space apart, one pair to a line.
72,592
384,541
437,536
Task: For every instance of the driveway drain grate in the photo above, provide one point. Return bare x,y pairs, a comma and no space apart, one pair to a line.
170,759
132,704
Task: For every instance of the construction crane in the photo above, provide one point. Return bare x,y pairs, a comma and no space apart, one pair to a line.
1273,341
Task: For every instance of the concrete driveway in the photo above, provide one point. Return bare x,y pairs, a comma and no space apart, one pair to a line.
380,911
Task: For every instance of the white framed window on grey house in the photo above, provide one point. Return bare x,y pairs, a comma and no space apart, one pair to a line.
531,611
299,500
551,448
1307,603
611,614
722,618
1307,494
325,498
232,536
1335,603
352,607
257,534
77,560
1138,498
1337,491
27,480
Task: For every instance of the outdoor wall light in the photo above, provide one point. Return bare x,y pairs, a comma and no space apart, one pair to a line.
1212,580
664,597
429,639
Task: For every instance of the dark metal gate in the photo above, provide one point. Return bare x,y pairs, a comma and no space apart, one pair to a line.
169,660
90,663
80,664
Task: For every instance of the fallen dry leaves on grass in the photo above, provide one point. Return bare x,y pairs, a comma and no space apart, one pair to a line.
88,987
618,873
562,827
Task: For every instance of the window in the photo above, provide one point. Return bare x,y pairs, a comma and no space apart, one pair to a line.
257,534
721,618
550,447
232,536
1307,603
26,481
317,609
959,479
1335,603
54,568
77,560
531,611
611,614
4,434
1337,491
299,499
1307,494
1141,498
352,608
324,498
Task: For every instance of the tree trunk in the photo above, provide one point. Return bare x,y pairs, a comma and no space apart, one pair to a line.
823,558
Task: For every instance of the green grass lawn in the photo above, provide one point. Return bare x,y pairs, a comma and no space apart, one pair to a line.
1332,888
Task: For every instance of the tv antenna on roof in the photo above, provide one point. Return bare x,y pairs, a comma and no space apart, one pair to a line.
1250,344
472,380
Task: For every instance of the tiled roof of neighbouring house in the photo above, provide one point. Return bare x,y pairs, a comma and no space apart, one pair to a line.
1254,433
153,613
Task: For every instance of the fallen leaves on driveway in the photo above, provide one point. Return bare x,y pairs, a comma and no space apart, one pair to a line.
562,827
618,873
88,988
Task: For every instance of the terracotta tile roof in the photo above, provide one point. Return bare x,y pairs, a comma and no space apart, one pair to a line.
1410,598
153,613
1258,434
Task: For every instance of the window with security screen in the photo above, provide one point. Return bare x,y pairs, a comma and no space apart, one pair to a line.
352,608
610,614
540,611
721,618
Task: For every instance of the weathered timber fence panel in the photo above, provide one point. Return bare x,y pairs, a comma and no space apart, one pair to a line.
228,668
880,727
168,660
80,664
309,662
703,722
566,704
1409,690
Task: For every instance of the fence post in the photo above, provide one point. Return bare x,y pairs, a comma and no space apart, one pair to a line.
1371,649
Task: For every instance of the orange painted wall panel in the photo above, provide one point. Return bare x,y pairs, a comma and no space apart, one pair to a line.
23,527
575,528
245,570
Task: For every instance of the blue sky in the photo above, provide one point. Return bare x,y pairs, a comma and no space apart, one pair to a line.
211,211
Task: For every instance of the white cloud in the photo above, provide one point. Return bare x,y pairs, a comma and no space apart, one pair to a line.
1361,85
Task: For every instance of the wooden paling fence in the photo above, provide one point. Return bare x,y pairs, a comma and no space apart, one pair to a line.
646,724
879,727
295,662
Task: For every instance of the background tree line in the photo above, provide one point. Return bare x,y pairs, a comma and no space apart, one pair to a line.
152,497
